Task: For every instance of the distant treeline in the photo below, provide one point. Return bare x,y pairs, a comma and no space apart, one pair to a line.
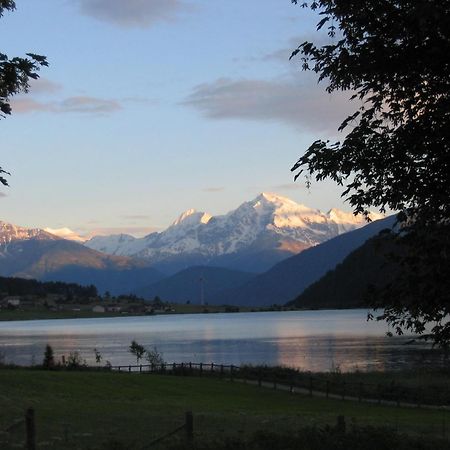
21,286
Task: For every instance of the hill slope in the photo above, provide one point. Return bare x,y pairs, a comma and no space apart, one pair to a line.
186,284
349,283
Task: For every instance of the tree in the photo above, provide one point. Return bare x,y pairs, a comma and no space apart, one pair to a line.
392,58
15,74
98,356
137,350
49,358
154,357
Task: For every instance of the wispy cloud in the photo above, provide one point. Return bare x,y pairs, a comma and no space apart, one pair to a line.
136,217
89,105
213,189
132,13
135,231
3,195
79,104
44,86
288,187
305,106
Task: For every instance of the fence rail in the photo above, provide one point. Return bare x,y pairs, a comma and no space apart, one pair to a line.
302,382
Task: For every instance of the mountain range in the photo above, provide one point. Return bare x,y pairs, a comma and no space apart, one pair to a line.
266,251
35,253
251,238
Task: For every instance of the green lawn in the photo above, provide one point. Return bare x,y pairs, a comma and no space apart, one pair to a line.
95,407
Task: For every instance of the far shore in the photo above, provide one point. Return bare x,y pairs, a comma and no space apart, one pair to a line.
44,314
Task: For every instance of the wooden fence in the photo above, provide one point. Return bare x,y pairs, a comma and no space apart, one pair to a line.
393,394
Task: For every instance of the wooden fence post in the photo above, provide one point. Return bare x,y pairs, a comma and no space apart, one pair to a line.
31,429
201,369
340,426
189,425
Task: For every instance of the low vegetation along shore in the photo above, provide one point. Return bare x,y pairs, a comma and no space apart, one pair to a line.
94,409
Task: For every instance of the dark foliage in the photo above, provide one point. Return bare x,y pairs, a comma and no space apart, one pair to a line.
392,57
15,74
315,438
49,358
21,286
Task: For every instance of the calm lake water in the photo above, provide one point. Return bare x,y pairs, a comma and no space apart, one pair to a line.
309,340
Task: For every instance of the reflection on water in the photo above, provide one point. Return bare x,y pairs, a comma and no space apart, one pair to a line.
310,340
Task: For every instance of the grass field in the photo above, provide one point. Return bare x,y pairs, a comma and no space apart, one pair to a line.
90,408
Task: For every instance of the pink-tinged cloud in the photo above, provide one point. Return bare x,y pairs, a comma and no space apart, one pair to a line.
305,106
132,13
89,105
135,231
81,105
44,86
213,189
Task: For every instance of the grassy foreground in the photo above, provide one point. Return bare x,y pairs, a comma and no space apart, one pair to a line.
87,409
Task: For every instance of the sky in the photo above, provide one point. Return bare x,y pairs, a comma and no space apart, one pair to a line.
151,107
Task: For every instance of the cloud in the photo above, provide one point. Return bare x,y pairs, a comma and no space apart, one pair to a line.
44,86
288,187
80,104
83,104
136,217
3,195
213,189
304,105
132,13
106,231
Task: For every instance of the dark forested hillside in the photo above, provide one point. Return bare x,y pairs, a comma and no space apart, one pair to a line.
21,286
350,284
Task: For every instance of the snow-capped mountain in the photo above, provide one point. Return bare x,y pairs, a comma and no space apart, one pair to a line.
252,237
35,253
10,233
65,233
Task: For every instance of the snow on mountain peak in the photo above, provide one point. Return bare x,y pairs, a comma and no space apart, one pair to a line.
269,221
10,232
192,216
65,233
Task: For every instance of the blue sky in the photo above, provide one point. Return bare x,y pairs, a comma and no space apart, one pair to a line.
151,107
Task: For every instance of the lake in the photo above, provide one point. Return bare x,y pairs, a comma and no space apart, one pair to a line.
308,340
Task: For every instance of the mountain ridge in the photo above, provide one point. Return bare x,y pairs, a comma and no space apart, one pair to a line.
270,223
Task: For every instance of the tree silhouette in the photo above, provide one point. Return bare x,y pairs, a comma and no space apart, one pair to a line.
15,75
392,57
137,350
